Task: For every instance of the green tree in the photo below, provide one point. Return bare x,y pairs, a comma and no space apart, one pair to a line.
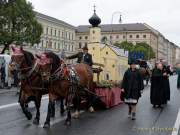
18,23
139,47
125,45
146,49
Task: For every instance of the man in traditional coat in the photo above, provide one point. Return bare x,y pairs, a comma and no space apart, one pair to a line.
83,57
132,86
157,94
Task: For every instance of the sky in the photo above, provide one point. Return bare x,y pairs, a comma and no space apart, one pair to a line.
163,15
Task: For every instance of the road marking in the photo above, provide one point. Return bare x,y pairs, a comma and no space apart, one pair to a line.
59,119
16,104
176,125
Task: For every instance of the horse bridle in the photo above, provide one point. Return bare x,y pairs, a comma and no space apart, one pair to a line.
29,73
44,73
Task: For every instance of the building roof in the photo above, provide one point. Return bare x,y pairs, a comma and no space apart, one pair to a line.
49,18
117,51
115,27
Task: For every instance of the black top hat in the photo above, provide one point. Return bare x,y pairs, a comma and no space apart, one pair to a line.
85,47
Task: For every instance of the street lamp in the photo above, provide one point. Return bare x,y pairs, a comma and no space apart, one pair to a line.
116,12
120,21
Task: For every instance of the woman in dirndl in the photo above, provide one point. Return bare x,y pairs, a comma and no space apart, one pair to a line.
132,86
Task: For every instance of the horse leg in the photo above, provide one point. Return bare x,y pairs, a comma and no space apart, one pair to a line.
78,105
48,118
62,105
23,101
68,119
147,80
53,109
90,100
76,102
37,104
20,93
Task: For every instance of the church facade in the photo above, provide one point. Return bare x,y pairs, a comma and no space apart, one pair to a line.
113,59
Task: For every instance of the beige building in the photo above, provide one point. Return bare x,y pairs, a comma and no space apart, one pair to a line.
135,33
57,35
177,54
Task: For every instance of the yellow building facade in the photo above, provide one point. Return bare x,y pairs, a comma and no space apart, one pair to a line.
113,59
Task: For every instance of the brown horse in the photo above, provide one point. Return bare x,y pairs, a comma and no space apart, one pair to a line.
146,74
61,82
144,69
31,82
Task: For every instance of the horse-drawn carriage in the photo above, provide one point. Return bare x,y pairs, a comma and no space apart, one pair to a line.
47,74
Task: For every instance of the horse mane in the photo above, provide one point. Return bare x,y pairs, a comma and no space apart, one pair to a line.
55,60
28,57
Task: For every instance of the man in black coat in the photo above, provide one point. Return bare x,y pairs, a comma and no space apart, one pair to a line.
166,74
83,57
132,86
158,93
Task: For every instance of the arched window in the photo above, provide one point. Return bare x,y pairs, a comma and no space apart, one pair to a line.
107,76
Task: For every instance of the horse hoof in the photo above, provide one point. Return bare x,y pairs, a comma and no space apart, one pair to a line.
76,115
36,121
46,125
91,109
67,123
29,116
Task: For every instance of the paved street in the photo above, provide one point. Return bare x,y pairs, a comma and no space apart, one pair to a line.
106,122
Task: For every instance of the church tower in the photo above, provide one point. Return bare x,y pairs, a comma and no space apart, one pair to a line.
95,38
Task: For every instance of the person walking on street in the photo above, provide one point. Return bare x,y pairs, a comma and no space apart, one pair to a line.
3,71
166,74
132,87
178,73
157,93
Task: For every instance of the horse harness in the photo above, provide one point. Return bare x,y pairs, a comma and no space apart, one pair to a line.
66,72
28,77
